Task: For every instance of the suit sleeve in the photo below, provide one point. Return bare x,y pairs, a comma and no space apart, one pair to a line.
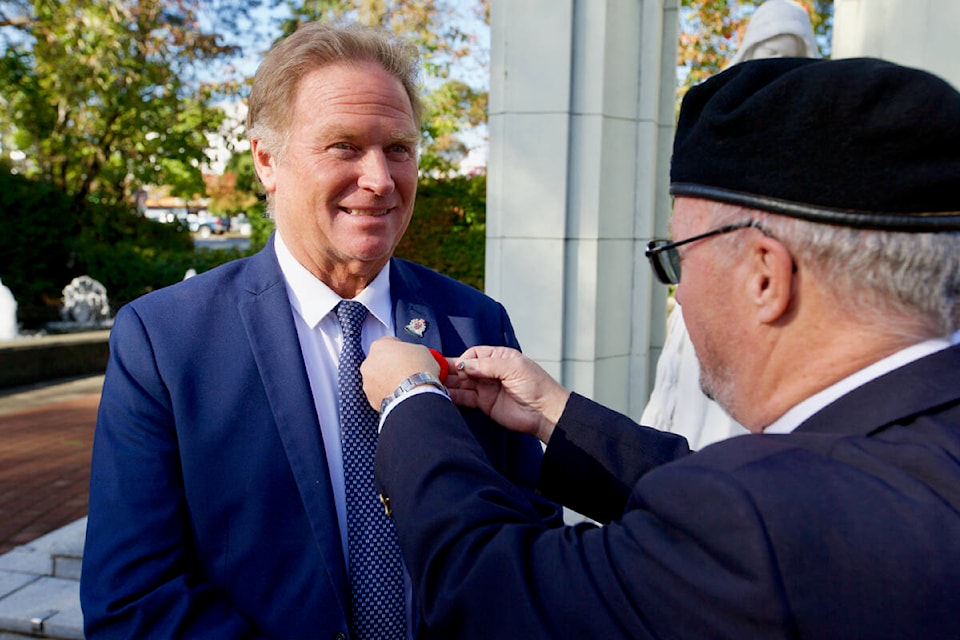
517,456
140,577
688,559
596,455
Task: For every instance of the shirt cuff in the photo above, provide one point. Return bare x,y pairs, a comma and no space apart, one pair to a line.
424,388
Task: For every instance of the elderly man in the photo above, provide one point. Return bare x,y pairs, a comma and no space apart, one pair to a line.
817,255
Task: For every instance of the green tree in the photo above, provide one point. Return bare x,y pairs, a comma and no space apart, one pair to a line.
448,230
710,32
46,242
104,96
450,108
248,190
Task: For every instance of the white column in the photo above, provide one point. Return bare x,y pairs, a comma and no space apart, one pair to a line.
916,33
581,121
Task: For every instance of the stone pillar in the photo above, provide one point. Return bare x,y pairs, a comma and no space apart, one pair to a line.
916,33
581,123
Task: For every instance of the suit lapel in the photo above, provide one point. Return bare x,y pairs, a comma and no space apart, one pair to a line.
414,320
269,325
910,390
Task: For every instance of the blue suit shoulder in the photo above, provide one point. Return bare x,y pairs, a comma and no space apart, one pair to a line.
218,282
456,295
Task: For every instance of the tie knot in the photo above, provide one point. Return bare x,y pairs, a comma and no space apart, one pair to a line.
351,314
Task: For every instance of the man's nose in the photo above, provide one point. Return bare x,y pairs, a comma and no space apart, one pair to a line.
375,173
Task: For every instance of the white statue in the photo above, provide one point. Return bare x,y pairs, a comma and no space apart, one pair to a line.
677,404
8,314
85,302
777,29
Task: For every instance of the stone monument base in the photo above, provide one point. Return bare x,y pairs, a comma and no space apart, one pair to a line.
33,359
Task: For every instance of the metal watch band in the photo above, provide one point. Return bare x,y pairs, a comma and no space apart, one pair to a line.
417,379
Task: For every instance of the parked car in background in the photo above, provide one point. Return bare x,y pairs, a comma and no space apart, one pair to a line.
205,225
201,222
165,214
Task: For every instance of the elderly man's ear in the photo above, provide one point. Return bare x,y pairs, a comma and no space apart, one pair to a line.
771,284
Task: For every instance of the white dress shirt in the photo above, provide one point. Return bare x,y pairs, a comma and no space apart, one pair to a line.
802,411
318,330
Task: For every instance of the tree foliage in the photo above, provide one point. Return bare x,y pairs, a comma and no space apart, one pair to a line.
103,96
46,242
711,30
448,229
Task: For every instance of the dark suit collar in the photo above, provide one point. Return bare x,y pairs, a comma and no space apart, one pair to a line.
909,390
413,318
268,321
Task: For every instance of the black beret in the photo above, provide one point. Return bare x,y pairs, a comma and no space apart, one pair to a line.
858,142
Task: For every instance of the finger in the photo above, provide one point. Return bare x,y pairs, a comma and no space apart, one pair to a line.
464,397
479,351
484,351
459,380
491,368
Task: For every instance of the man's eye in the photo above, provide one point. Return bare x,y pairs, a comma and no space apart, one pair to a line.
399,150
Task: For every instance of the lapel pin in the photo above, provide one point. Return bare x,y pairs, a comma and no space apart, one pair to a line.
416,327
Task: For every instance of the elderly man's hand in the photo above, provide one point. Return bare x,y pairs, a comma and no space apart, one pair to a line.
389,363
510,388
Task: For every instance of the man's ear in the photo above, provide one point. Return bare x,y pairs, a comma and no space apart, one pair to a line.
264,164
772,286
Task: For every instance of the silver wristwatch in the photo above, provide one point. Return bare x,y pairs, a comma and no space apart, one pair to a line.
417,379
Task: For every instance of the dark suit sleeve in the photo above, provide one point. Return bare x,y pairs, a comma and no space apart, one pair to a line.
596,455
688,559
140,577
516,456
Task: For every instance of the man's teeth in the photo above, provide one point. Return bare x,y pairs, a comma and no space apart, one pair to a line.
367,212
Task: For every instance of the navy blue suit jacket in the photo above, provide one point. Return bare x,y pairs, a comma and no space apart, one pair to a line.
847,528
211,509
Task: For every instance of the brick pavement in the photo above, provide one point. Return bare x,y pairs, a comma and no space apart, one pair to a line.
46,434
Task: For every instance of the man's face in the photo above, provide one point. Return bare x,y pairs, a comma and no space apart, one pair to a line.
707,299
343,190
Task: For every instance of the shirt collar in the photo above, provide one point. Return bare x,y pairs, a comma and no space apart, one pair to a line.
313,300
803,410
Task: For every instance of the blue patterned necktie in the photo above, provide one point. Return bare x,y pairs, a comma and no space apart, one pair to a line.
376,574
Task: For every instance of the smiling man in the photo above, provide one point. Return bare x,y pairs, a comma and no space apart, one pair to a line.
232,484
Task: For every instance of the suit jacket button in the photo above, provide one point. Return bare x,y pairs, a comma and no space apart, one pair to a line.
339,635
